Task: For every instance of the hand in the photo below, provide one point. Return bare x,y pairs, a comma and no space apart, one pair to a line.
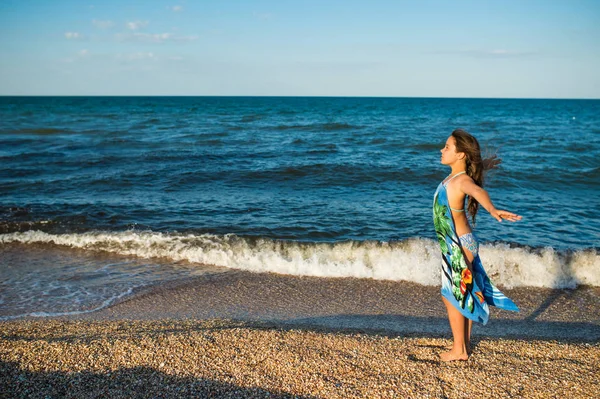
511,217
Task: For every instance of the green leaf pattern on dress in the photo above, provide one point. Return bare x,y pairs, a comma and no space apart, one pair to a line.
443,229
441,223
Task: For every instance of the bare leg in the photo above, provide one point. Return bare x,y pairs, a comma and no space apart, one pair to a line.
468,322
458,322
468,326
460,326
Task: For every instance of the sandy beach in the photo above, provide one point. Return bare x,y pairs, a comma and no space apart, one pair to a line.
242,334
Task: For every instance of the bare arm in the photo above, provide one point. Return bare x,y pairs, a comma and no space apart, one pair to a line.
469,187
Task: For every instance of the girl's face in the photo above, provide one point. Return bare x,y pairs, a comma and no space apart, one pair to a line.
449,154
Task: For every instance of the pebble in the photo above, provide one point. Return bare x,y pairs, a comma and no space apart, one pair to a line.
226,358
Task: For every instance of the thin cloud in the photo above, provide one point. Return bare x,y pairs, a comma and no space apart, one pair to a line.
123,57
102,24
494,53
176,8
154,37
499,53
81,54
73,35
137,56
135,25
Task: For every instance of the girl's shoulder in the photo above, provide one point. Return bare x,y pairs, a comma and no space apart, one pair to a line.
460,180
464,177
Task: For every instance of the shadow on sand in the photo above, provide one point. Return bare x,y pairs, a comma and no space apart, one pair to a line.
391,326
135,382
143,381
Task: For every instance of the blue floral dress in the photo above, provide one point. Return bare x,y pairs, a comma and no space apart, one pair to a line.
470,293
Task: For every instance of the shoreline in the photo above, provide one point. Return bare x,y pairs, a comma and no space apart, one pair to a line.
349,303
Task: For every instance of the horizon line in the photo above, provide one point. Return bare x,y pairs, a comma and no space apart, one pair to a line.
295,96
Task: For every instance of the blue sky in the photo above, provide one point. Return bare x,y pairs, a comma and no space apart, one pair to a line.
460,48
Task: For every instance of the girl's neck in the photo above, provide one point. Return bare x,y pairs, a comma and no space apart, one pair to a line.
458,168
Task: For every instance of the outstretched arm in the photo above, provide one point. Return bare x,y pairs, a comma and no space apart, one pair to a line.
474,191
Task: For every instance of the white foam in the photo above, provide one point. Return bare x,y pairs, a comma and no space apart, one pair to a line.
416,259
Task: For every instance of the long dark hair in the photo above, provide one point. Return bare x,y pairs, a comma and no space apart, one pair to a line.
476,165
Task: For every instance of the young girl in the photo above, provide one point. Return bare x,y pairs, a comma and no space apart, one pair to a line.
466,289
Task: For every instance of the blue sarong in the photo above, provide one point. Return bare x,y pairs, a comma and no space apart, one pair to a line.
469,292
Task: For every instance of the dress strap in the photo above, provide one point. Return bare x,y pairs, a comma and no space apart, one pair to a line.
448,181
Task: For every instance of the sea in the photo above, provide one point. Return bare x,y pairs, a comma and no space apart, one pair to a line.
103,197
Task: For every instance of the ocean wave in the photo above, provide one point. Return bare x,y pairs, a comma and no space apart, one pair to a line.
325,174
252,117
416,259
421,146
317,127
9,227
40,131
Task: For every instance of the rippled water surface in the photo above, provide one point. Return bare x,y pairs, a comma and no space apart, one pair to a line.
308,169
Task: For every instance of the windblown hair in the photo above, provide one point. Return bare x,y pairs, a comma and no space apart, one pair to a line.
476,165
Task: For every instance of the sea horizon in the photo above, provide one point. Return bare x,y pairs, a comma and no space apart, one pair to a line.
300,96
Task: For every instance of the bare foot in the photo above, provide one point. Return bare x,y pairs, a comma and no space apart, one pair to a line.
468,350
452,356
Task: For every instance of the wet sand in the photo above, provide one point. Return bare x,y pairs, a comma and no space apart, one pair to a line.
360,304
242,334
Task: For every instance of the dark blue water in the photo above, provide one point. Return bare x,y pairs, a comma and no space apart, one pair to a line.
309,169
100,196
